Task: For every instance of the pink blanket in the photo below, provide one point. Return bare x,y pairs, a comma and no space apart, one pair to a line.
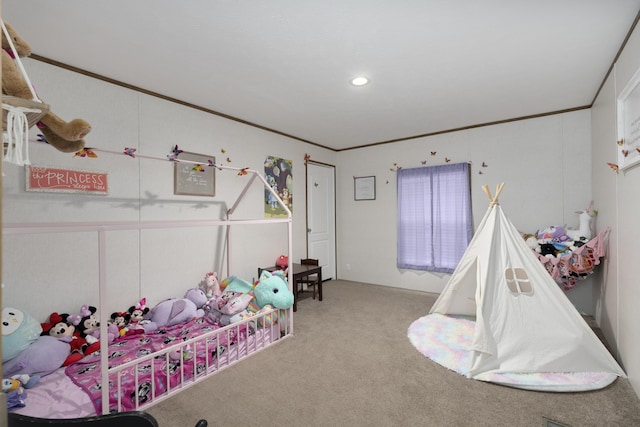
203,354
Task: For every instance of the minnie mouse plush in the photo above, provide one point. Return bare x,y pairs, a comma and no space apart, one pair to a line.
61,327
89,327
137,313
121,320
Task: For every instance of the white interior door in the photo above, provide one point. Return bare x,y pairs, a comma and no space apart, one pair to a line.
321,217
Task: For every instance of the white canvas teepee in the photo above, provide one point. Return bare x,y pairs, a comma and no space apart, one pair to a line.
524,323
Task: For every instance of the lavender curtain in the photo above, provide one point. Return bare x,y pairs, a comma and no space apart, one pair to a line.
435,224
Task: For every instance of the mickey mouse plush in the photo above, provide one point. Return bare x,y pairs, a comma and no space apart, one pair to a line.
60,327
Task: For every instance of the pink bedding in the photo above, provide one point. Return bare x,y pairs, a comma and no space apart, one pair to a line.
76,390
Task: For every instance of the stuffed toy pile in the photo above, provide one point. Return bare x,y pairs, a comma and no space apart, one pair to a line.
24,350
64,136
240,299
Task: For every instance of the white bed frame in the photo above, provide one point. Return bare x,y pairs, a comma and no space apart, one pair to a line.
102,229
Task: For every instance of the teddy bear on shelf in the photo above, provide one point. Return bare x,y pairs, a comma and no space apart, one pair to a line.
63,136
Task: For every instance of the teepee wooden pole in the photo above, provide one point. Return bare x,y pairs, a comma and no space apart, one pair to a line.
498,191
487,192
493,200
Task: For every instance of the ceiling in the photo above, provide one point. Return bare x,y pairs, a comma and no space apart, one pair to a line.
286,65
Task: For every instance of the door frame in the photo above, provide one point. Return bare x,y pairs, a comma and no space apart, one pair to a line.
306,189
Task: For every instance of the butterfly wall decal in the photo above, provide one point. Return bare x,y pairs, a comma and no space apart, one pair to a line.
447,160
198,168
484,165
130,152
175,152
222,150
433,153
86,152
613,166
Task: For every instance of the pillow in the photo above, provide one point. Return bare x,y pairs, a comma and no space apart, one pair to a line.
231,302
19,330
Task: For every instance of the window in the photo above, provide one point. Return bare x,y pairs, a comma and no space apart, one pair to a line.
518,281
434,217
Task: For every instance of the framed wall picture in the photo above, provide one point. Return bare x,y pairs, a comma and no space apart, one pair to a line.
190,179
364,187
629,124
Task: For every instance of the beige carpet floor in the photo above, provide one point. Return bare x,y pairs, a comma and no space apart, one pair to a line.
350,363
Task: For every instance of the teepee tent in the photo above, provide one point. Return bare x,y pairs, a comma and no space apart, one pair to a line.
524,323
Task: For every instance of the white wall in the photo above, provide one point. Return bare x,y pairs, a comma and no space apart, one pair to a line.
619,298
59,272
544,162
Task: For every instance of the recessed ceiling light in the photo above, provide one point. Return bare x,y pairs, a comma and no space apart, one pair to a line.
359,81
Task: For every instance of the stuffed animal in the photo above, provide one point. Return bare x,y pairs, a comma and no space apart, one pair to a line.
62,328
16,381
137,313
19,330
173,311
552,232
211,285
37,356
228,308
270,291
121,321
585,229
14,390
64,136
530,240
89,328
182,353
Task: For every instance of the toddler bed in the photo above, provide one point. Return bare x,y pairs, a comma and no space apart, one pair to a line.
139,370
150,367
